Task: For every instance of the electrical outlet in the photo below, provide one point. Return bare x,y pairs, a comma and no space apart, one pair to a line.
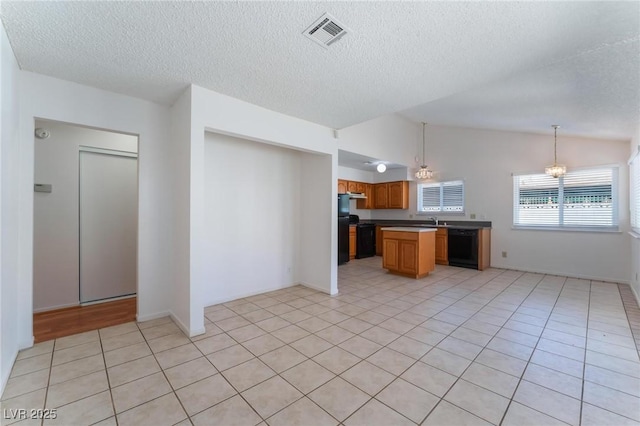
472,215
504,254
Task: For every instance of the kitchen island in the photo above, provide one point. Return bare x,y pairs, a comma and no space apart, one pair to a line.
409,251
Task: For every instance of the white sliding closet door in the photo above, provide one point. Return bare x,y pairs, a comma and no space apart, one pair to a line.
108,224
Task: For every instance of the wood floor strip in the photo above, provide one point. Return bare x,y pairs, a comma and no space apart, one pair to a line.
67,321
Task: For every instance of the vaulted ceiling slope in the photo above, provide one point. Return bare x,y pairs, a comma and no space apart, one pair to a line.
501,65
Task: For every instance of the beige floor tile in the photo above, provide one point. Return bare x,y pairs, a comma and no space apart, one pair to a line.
334,317
205,393
76,352
439,326
210,330
75,389
559,382
263,344
259,315
302,412
355,325
232,412
85,411
77,339
165,410
567,351
425,335
29,365
154,322
518,337
139,391
295,316
380,335
408,399
117,330
471,336
336,360
307,376
446,361
446,413
123,340
28,401
499,361
232,323
491,379
339,398
179,355
552,403
315,309
459,347
611,379
311,345
360,347
169,341
247,332
569,339
368,377
429,378
335,334
128,353
612,363
612,400
271,396
272,324
230,357
189,372
132,370
513,349
374,413
479,401
249,374
371,317
613,350
314,324
26,383
521,415
558,363
392,361
282,358
37,349
214,343
595,416
244,308
290,333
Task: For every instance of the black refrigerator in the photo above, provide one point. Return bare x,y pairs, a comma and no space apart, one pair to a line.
343,228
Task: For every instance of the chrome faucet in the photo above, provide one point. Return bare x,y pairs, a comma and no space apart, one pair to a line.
435,220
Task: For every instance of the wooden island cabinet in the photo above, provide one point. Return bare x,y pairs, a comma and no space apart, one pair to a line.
442,246
409,251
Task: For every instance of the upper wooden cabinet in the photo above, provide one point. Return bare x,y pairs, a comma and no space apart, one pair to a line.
392,195
389,195
342,186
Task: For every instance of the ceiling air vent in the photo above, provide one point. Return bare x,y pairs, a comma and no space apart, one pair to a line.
326,30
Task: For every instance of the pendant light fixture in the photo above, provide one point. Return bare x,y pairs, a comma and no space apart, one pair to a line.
424,172
557,170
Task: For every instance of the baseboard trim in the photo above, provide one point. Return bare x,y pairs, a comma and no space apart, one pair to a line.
247,294
317,288
184,328
561,274
149,317
7,374
635,294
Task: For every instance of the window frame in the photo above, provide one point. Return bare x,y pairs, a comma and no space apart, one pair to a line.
441,186
634,193
615,196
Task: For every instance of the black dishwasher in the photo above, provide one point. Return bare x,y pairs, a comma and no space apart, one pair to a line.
463,247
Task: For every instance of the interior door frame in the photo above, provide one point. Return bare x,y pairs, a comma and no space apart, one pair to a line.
115,153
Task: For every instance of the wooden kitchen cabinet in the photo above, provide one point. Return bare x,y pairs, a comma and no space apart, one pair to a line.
409,251
342,186
380,196
352,242
442,246
391,195
484,248
379,244
366,203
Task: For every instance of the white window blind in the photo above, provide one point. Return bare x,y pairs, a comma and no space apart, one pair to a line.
580,199
441,197
634,192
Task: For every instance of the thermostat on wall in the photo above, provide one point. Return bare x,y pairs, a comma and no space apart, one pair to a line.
42,187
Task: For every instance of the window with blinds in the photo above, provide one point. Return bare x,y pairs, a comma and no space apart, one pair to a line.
581,199
443,197
634,192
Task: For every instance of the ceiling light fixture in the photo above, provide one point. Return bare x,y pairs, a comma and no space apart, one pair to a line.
381,168
424,172
557,170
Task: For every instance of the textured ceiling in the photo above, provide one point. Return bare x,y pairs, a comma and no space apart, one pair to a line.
501,65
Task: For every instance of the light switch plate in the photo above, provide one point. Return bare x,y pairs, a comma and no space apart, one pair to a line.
43,187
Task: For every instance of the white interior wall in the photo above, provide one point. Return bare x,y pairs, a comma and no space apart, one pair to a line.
56,221
53,99
222,114
634,275
10,297
252,210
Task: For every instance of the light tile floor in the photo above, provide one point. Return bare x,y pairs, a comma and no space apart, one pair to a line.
457,347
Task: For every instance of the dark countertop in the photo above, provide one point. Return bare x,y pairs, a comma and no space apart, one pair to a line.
457,224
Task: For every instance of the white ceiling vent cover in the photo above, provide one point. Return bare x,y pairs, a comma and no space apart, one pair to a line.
326,30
